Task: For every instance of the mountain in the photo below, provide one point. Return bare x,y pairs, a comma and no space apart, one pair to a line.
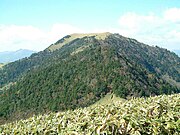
177,52
10,56
80,69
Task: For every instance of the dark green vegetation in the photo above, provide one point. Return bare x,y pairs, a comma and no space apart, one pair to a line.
82,70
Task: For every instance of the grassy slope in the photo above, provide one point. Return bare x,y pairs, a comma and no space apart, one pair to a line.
72,37
154,115
108,99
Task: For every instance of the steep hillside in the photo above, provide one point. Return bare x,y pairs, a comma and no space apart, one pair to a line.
79,69
6,57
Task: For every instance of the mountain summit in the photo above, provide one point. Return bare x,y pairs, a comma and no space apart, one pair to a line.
80,69
67,39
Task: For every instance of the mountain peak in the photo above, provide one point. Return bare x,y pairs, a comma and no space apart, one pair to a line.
83,71
69,38
97,35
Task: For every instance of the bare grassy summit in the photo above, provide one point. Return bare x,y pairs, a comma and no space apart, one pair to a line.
67,39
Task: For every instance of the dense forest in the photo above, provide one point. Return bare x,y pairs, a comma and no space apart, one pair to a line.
83,70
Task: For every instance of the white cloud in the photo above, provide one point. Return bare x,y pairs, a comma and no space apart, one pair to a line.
172,15
152,29
13,37
59,30
132,23
162,30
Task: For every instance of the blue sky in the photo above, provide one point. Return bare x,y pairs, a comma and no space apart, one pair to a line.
35,24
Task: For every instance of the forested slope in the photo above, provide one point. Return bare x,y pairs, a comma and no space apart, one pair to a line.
79,71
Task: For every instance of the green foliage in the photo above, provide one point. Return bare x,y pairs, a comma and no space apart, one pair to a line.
62,79
154,115
157,60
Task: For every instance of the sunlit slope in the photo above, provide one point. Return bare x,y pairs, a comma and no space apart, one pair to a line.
1,65
154,115
69,38
109,98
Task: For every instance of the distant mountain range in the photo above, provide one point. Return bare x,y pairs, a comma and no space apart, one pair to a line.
177,52
10,56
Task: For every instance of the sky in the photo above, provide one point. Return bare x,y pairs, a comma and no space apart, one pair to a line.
36,24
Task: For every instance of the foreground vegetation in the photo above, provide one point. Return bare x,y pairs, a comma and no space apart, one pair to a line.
153,115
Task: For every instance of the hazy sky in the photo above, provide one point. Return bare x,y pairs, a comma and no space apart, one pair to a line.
35,24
